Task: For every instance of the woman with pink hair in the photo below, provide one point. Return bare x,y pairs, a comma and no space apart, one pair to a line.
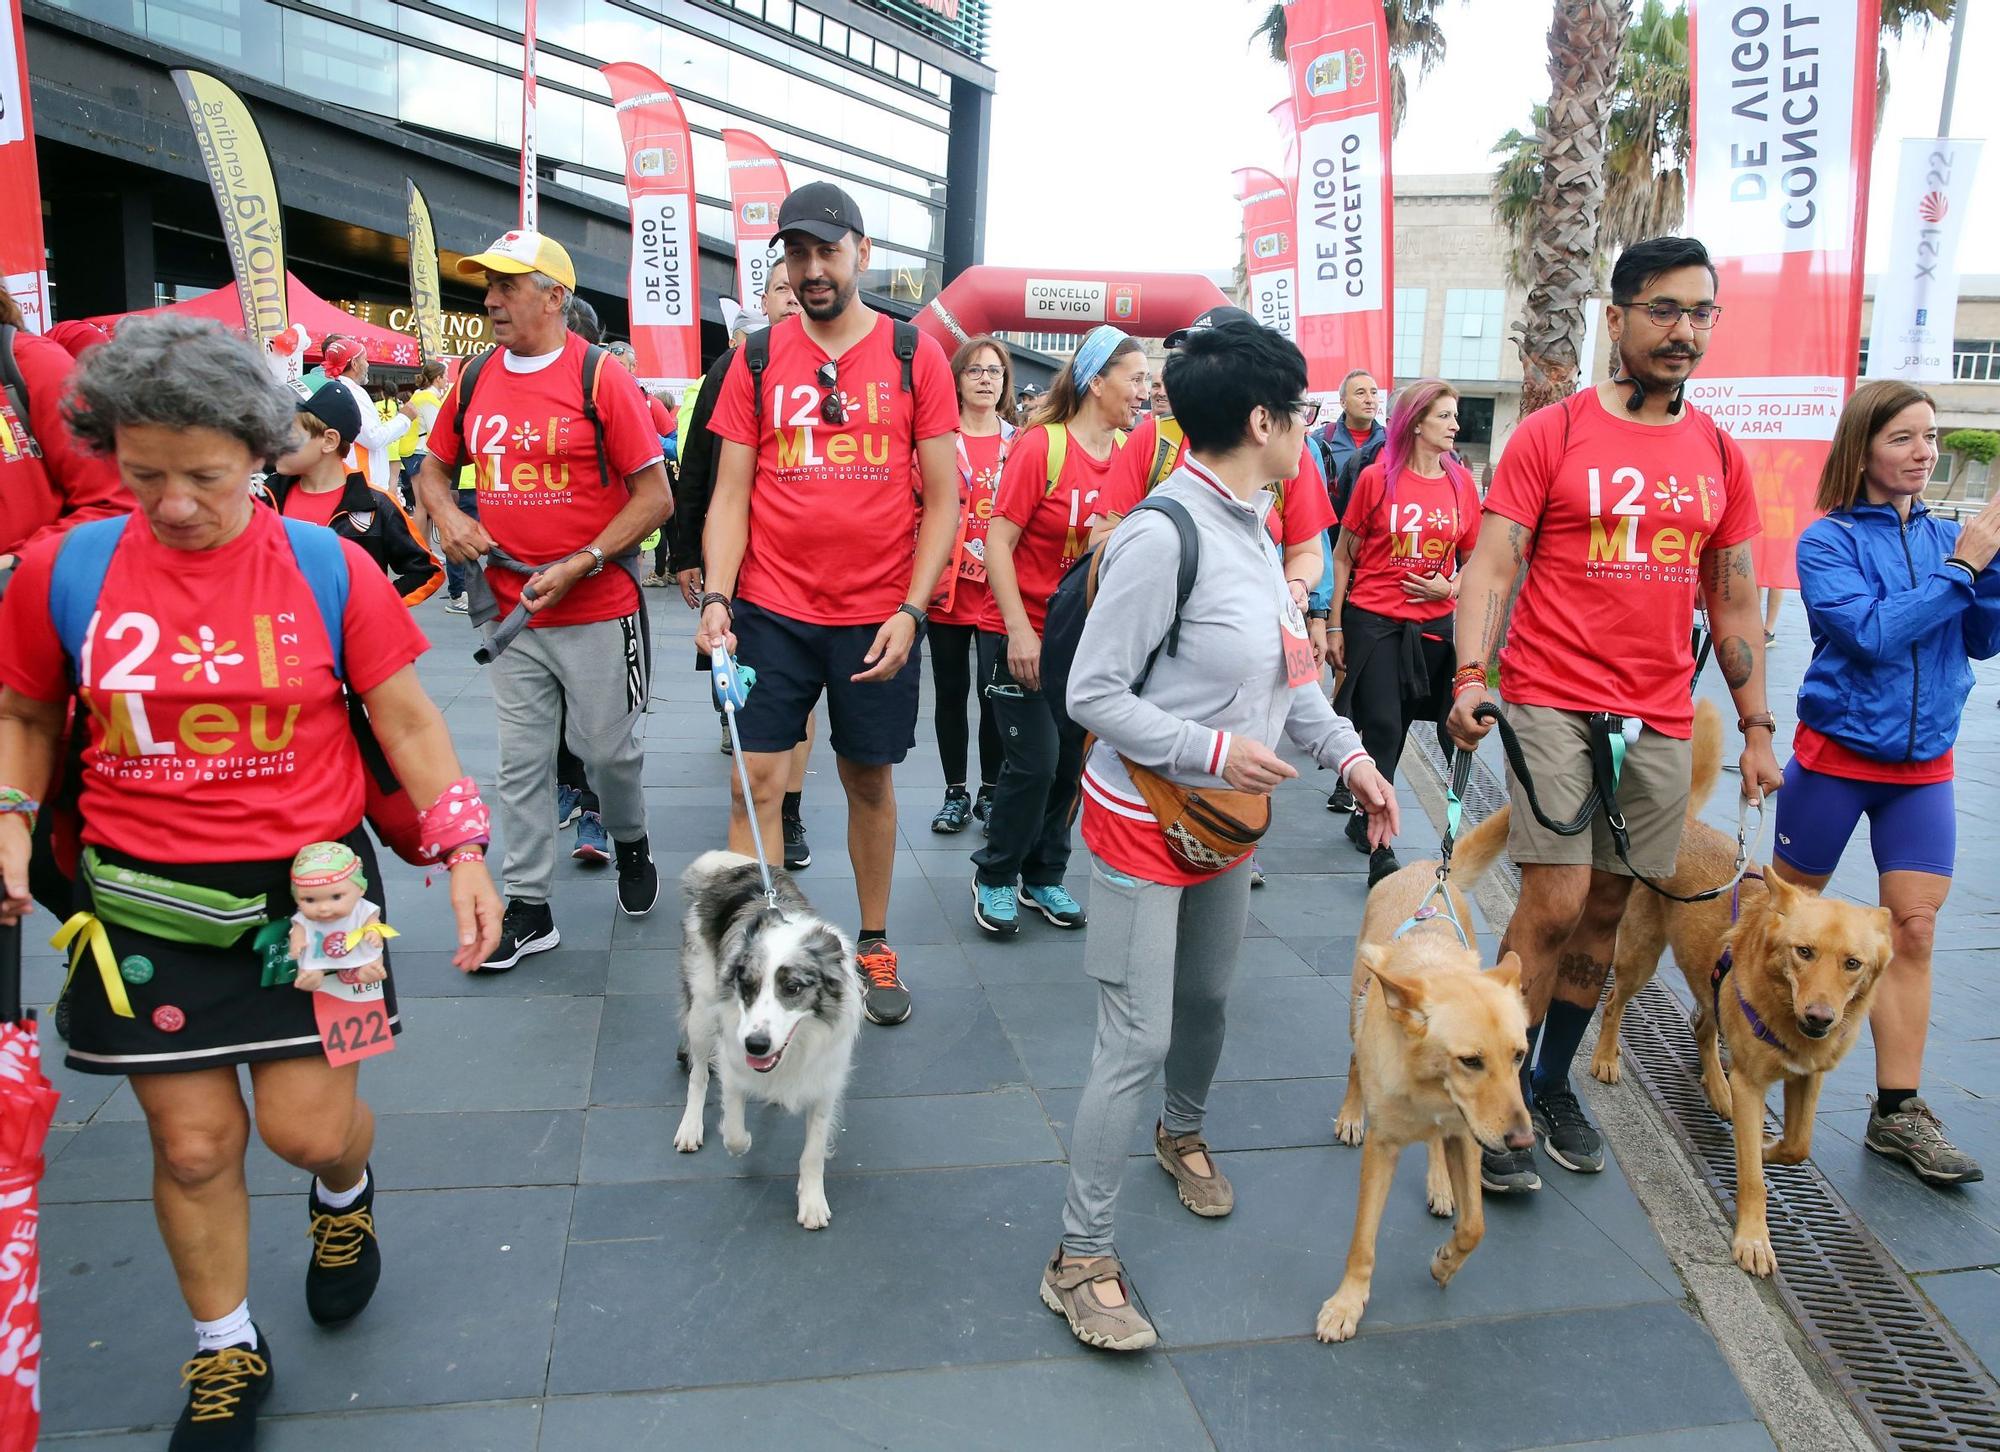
1413,517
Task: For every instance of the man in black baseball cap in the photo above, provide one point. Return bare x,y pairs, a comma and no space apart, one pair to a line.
1213,318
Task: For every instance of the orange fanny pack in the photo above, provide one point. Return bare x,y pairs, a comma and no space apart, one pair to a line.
1206,830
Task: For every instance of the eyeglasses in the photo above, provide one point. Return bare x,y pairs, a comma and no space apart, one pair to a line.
1305,410
1666,313
833,407
986,370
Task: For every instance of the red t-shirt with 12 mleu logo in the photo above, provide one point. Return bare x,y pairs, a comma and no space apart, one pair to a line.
1055,525
534,455
218,730
1621,512
1422,531
980,459
834,506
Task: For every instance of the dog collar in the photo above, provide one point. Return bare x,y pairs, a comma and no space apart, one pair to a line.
1757,1026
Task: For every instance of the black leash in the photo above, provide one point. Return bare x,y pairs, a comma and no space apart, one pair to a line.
1605,758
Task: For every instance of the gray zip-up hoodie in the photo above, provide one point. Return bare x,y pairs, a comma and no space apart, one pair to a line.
1229,675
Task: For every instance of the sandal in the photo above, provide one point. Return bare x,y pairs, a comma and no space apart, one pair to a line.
1070,1291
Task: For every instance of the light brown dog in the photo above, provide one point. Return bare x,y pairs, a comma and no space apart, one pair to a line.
1804,971
1437,1049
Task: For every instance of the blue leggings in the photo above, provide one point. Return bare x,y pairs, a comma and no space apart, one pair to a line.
1912,828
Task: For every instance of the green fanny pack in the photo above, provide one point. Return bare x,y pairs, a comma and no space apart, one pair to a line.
160,907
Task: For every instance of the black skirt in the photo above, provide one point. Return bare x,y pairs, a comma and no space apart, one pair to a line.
196,1007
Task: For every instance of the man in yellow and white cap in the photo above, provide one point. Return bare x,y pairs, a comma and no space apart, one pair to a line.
570,479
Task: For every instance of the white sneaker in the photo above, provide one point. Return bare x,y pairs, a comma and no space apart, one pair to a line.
457,605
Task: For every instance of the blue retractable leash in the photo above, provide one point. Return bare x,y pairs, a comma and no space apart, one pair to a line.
1440,890
732,689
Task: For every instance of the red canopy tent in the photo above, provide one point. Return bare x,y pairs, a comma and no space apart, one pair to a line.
318,316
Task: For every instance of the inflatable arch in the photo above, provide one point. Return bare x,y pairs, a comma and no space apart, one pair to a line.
1057,300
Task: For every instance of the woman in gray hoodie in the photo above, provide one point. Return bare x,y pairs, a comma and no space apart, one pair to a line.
1164,943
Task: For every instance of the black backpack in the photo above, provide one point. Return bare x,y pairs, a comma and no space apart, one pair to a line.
1062,630
757,357
1343,487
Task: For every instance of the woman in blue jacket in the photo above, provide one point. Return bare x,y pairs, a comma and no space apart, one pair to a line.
1900,603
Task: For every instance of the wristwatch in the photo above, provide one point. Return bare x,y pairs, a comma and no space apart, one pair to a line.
915,614
597,557
1745,724
1319,614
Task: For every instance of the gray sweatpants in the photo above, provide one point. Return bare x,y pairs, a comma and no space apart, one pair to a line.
1164,958
599,670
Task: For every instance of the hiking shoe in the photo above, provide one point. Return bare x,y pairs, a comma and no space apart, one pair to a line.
1915,1136
1055,904
883,997
982,810
1567,1137
1071,1292
1342,800
728,746
592,845
528,927
638,879
955,813
1382,863
225,1388
1209,1195
346,1259
798,851
1256,873
993,908
569,805
1357,832
1510,1172
458,605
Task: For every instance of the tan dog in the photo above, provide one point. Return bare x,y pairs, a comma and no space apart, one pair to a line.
1805,970
1437,1049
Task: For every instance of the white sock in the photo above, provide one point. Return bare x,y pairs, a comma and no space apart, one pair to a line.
235,1329
342,1199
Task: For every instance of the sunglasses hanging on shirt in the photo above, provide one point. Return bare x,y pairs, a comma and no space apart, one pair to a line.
833,407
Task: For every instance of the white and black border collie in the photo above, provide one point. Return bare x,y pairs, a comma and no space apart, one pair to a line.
771,999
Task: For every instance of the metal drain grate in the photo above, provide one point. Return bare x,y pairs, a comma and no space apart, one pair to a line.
1909,1378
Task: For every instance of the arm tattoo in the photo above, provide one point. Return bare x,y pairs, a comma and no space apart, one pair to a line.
1517,541
1735,658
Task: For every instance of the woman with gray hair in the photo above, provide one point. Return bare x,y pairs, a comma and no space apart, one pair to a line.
212,645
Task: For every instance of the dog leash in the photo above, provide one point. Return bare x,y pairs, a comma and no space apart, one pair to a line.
1440,890
1607,760
732,689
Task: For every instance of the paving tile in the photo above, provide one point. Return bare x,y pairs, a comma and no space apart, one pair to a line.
1736,1437
1006,1126
502,1427
1096,1402
1925,1228
1971,1301
1264,1270
1521,1382
1243,1114
679,1285
951,1044
561,972
465,1320
500,1052
634,1062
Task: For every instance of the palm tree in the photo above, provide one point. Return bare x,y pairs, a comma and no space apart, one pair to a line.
1584,43
1414,35
1648,135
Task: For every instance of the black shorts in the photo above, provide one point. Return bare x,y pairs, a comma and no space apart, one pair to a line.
874,724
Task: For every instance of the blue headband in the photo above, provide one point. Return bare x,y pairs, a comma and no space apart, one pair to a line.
1092,354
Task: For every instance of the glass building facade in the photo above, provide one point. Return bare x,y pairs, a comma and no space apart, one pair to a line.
836,101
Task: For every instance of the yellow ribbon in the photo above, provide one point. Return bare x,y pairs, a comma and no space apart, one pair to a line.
355,937
83,930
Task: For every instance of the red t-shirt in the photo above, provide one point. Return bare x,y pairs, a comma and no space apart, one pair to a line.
1055,526
301,503
1621,513
66,484
1422,532
663,421
218,732
979,461
1829,758
534,456
1304,509
833,507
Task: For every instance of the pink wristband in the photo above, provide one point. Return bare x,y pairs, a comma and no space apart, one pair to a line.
456,819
